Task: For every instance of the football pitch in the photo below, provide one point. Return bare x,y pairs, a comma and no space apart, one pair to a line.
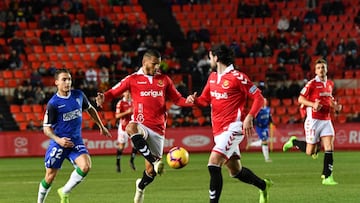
296,179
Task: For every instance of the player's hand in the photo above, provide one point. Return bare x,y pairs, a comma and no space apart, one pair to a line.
65,142
191,98
104,131
129,110
248,127
337,107
100,99
317,106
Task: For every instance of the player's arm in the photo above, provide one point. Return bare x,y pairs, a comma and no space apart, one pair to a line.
95,116
258,102
123,113
315,105
175,96
112,93
335,105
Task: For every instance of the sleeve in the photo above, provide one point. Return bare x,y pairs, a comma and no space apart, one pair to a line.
86,103
254,93
50,116
305,90
258,102
118,89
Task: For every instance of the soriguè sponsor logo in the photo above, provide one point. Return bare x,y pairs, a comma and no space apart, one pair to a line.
152,93
218,95
325,94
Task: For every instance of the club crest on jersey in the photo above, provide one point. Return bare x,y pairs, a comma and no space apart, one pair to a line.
78,101
225,84
160,83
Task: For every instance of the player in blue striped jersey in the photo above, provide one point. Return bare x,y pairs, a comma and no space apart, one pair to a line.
262,124
63,123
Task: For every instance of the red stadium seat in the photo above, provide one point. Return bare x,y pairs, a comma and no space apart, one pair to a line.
14,108
7,74
274,102
280,110
12,82
26,108
22,125
287,101
19,117
37,108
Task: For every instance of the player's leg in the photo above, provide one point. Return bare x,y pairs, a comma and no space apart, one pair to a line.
155,143
247,176
226,145
140,184
82,165
45,184
140,136
215,162
138,139
119,152
132,158
328,142
54,158
264,136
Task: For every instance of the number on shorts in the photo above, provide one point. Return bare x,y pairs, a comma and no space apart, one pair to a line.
55,152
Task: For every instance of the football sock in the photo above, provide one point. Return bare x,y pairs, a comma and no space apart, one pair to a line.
141,144
133,153
75,178
328,163
118,157
145,180
318,148
44,189
216,182
247,176
265,151
301,145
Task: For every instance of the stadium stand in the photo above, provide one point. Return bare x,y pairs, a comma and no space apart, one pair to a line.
220,18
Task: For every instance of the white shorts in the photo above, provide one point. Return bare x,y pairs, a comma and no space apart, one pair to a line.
123,137
153,139
314,129
227,143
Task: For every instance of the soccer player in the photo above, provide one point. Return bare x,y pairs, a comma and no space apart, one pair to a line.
62,123
149,90
262,123
226,91
123,113
317,97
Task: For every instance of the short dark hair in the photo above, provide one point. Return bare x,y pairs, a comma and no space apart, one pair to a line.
224,53
59,71
320,60
152,53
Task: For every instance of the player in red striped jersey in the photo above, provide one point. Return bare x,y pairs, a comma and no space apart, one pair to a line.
149,90
226,91
123,113
317,98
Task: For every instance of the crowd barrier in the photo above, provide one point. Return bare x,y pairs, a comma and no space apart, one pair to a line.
194,139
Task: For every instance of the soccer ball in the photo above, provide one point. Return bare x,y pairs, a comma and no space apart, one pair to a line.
177,157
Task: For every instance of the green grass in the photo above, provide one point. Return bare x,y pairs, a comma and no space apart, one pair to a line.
296,178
